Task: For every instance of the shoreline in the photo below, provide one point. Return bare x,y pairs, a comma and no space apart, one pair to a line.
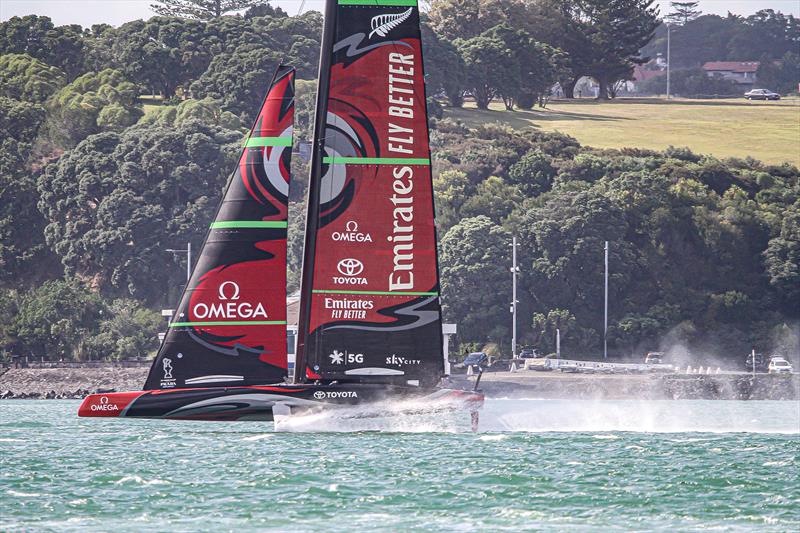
76,383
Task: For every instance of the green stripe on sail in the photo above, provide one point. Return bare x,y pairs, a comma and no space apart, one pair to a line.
377,160
235,323
377,293
378,3
238,224
255,142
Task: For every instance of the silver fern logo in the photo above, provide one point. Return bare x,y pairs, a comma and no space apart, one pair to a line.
383,24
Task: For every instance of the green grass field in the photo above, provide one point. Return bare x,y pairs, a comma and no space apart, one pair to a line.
769,131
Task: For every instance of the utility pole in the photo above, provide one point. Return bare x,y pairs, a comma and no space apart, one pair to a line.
669,62
188,252
605,313
514,271
558,343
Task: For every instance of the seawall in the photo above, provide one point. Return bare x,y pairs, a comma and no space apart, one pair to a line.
77,382
532,384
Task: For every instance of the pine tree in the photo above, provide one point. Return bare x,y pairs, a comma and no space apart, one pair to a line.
202,9
683,12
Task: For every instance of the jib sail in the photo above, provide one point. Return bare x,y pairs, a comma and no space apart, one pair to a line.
230,326
370,291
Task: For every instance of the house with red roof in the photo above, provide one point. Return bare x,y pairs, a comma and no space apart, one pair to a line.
742,72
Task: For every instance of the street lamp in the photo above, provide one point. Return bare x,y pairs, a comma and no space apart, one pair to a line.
514,301
188,252
605,306
669,62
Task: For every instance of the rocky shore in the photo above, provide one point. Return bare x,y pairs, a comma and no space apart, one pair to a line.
60,383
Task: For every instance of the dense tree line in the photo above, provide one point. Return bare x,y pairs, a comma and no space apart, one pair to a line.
115,144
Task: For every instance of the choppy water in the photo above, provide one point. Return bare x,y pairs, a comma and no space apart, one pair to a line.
539,465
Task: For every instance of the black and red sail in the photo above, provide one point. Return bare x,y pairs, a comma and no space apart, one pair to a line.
230,326
370,299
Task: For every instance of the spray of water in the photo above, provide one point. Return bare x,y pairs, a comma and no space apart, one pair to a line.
538,416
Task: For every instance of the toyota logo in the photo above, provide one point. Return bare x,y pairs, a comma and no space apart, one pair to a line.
319,395
350,267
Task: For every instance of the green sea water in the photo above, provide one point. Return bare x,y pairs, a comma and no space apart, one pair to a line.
536,465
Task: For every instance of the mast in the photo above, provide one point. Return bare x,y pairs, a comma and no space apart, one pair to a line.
313,193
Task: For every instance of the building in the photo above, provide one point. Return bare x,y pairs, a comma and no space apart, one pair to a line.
741,72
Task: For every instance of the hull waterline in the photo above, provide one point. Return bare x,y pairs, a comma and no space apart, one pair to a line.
258,402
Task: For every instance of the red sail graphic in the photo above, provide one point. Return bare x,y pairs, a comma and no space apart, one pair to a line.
370,284
230,326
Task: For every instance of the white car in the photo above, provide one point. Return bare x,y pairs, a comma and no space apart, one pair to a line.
779,365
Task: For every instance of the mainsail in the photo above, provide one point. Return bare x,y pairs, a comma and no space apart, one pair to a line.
370,307
230,326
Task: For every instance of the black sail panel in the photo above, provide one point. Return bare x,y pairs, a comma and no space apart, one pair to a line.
230,326
370,306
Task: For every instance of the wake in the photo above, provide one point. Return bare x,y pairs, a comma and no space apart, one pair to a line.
541,416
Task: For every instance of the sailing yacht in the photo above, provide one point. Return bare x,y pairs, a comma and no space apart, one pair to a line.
370,323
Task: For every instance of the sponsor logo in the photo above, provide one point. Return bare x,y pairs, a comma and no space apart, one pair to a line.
104,405
167,364
229,306
167,382
348,309
349,269
321,395
345,357
383,24
401,361
351,234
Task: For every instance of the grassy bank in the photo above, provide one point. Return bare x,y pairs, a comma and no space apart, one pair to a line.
768,131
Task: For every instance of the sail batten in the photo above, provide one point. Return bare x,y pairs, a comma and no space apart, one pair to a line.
370,306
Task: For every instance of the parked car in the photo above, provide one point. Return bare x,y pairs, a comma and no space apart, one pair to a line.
529,353
654,358
761,94
779,365
474,360
761,362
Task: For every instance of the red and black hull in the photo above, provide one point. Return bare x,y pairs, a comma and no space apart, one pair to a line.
257,402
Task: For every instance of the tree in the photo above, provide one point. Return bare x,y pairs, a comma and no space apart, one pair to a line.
547,326
57,319
618,30
683,12
93,102
23,77
202,9
474,260
486,58
24,258
465,19
445,71
782,258
163,53
116,201
781,75
60,46
533,173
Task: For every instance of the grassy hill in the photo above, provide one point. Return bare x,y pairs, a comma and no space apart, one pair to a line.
769,131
